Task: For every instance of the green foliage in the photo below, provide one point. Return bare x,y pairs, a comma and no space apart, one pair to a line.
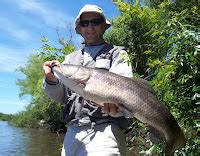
32,72
161,40
40,107
131,30
51,53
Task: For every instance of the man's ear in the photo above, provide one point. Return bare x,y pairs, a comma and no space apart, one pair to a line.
104,27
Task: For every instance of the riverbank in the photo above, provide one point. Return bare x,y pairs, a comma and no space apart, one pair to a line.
6,117
16,120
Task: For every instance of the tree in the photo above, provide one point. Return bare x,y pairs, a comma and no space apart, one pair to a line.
40,106
161,40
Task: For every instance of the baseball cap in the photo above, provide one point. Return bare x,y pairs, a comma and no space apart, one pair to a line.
90,8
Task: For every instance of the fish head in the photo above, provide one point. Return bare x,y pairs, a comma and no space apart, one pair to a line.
76,73
72,76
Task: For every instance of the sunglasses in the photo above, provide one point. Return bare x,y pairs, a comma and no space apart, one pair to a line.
93,22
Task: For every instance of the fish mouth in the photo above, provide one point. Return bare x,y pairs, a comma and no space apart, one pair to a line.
54,64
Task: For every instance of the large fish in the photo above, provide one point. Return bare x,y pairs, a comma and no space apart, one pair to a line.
134,97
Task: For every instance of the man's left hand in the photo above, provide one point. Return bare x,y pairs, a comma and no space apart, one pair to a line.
110,108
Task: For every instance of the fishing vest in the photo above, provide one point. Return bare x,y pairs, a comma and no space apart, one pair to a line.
77,108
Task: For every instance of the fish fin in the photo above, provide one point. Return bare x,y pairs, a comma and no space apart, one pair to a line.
175,145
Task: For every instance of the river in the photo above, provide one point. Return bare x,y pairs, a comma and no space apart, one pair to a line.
16,141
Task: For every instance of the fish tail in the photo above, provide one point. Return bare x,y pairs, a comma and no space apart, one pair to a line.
175,145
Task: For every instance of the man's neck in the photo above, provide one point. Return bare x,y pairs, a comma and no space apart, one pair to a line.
95,44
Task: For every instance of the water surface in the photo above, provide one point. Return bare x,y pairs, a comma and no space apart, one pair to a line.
16,141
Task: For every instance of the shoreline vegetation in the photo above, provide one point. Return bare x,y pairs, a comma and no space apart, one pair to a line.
6,117
41,124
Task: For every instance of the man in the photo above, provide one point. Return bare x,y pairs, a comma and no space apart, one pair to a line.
92,130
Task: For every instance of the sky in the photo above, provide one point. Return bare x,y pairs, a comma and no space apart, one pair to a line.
22,25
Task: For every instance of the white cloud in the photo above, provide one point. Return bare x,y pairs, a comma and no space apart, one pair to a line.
13,102
11,58
14,29
51,16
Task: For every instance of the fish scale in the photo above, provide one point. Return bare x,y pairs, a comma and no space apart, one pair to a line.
134,96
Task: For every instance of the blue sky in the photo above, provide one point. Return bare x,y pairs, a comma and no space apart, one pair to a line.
22,24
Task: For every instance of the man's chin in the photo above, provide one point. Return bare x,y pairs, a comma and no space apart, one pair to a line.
91,42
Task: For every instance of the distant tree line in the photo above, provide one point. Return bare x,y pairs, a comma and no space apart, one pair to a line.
6,117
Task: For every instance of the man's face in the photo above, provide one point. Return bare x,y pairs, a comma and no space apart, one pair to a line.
92,28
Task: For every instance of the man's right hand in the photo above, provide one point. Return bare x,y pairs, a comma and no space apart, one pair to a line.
47,70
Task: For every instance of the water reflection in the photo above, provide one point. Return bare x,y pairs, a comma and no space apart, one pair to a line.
16,141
